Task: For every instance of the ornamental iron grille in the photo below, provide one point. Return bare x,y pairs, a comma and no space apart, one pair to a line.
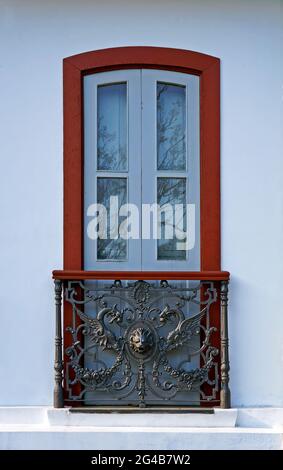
142,343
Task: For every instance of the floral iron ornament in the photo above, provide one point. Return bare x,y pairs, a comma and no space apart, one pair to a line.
141,343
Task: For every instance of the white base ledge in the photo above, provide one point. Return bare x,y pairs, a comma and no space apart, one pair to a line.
47,428
105,438
220,418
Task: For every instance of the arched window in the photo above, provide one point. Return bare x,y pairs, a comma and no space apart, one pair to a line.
143,123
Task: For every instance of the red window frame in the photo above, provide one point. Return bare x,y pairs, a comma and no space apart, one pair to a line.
208,69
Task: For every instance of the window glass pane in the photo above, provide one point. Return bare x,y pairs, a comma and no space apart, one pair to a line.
116,188
171,127
171,191
112,127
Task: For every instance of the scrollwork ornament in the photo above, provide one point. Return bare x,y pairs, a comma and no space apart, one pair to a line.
141,327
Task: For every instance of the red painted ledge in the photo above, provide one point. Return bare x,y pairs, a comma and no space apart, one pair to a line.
142,275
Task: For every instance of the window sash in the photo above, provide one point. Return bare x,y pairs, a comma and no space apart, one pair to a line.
142,161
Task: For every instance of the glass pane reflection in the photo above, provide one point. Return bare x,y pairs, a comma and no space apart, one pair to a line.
111,249
171,191
171,127
112,127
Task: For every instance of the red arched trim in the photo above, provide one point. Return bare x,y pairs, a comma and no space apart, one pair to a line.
208,69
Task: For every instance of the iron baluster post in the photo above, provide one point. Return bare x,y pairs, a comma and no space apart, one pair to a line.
225,397
58,364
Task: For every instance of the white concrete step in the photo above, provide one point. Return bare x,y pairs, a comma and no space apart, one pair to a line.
244,417
65,417
218,418
33,437
47,428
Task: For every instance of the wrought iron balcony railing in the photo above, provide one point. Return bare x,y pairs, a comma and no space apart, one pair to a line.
142,339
